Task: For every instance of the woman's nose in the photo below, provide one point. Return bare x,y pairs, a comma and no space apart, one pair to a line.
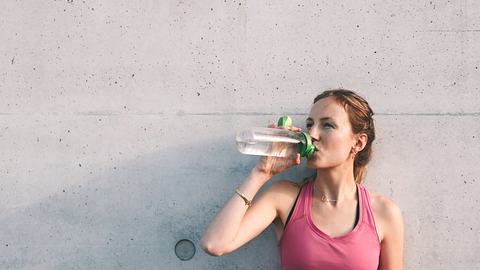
314,133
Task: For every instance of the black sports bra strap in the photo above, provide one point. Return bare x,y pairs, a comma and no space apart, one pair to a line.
293,207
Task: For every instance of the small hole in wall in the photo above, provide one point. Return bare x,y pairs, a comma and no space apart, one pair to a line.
185,249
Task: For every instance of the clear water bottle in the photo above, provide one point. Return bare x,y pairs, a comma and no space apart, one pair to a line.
275,142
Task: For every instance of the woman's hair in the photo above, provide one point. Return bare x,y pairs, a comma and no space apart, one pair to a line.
360,116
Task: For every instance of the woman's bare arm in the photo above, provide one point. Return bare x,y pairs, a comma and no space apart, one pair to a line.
236,223
219,237
391,252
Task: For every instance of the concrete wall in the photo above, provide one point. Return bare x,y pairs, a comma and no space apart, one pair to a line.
117,121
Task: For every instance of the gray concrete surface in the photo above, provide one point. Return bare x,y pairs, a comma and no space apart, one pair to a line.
117,121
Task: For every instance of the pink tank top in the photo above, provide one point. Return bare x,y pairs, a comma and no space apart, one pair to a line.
304,246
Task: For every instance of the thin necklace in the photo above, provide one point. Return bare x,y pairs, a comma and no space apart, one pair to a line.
324,197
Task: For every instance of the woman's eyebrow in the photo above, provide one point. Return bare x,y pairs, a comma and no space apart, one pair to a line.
321,119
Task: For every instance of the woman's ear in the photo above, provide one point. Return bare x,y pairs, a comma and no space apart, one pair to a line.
362,140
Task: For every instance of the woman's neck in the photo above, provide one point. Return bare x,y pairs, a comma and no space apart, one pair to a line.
336,184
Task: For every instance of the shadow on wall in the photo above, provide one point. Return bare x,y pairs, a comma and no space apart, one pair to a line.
132,217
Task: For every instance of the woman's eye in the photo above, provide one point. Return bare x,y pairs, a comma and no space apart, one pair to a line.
325,125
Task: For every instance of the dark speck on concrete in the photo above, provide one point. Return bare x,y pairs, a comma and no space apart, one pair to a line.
69,1
211,9
198,94
13,60
79,165
133,75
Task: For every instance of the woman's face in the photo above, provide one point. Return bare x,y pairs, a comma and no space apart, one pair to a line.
331,133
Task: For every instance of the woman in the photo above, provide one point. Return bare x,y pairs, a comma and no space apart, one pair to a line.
330,221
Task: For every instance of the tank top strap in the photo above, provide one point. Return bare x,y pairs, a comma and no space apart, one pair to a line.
297,211
303,197
307,197
299,208
366,206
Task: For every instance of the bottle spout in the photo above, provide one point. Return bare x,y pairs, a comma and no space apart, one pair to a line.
308,148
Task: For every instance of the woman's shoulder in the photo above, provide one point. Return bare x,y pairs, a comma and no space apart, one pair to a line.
387,213
284,187
383,205
285,191
287,186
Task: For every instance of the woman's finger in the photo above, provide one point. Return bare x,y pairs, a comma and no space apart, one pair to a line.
294,128
295,160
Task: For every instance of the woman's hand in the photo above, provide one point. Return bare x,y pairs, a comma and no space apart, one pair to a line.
275,165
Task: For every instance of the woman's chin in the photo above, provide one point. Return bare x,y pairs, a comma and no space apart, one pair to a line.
312,163
315,162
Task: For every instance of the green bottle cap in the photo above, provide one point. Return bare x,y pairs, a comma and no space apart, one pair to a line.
307,149
284,121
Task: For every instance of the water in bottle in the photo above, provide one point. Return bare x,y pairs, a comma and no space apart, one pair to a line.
274,141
